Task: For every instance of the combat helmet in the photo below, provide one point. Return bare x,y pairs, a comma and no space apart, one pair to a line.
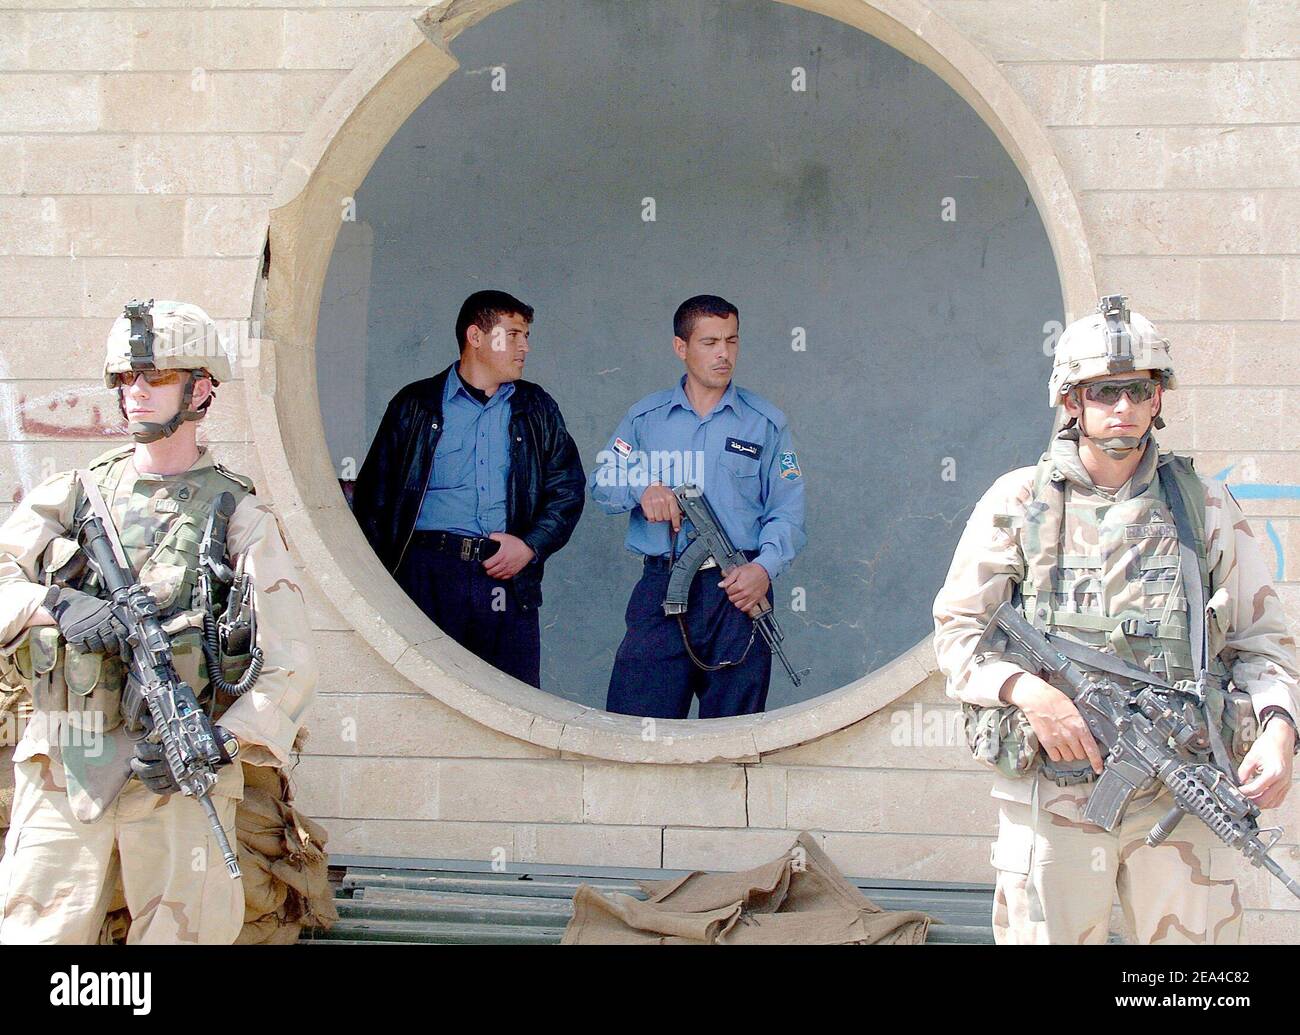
1110,341
166,336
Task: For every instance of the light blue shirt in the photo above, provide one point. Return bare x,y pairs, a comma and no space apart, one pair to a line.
466,491
740,455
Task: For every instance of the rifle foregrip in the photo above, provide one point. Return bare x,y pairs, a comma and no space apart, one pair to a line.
1191,792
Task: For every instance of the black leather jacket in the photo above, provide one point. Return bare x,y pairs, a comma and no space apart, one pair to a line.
544,494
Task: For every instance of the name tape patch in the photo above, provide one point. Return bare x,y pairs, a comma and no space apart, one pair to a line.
750,449
1156,530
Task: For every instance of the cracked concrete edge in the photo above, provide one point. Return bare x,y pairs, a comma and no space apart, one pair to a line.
335,154
443,22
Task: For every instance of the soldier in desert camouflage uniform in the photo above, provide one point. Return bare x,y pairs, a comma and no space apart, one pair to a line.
93,809
1086,545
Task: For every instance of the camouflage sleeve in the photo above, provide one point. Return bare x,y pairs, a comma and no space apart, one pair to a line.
985,568
42,516
1247,624
266,718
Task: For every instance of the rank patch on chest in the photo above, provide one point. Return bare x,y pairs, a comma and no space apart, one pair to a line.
1155,530
790,465
750,449
623,449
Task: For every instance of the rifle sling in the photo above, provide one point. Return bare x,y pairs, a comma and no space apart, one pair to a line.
100,508
1189,566
1091,658
1194,590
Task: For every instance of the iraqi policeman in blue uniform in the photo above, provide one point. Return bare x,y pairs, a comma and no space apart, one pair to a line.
736,446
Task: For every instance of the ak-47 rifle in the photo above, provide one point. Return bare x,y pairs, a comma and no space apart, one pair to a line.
1148,731
709,541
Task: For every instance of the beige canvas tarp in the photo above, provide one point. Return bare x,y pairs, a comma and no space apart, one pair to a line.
799,898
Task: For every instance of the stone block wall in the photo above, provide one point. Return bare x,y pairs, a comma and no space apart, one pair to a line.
141,145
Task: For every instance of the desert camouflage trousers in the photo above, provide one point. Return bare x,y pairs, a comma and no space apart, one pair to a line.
1058,876
59,876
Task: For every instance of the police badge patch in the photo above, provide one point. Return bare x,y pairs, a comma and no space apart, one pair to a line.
790,465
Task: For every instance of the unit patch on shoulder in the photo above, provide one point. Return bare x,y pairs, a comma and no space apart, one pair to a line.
790,465
623,449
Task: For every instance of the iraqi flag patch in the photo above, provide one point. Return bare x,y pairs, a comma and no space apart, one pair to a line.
790,465
623,449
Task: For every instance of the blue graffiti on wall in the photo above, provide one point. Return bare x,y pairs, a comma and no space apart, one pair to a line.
1262,491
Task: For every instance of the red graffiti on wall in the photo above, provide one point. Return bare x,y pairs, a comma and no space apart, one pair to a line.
63,415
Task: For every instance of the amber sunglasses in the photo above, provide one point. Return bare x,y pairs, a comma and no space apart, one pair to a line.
152,377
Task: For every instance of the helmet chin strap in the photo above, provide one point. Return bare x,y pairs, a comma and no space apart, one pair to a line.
1120,446
151,431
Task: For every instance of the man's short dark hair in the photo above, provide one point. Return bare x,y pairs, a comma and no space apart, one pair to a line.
484,308
690,311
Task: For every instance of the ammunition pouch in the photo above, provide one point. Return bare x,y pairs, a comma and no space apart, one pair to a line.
88,686
1237,721
1001,738
83,686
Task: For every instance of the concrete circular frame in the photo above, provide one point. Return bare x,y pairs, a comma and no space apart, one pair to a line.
332,160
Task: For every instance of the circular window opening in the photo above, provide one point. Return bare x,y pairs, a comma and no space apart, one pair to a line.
891,324
894,280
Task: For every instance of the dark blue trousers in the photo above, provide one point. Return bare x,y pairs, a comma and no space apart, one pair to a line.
653,675
474,609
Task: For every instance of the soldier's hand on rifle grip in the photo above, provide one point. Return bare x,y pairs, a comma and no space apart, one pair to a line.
659,504
1057,723
87,622
1265,773
150,766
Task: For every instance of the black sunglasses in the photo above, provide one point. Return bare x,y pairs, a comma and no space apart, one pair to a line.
1138,390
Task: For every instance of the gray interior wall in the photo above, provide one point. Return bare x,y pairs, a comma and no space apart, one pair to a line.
820,210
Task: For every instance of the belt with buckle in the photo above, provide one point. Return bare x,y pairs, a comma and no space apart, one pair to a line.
664,564
466,547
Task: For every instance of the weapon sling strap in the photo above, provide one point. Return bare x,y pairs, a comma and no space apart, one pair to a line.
100,508
90,486
686,639
1189,566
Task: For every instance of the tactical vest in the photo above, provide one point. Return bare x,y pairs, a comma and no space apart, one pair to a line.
161,521
1104,573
